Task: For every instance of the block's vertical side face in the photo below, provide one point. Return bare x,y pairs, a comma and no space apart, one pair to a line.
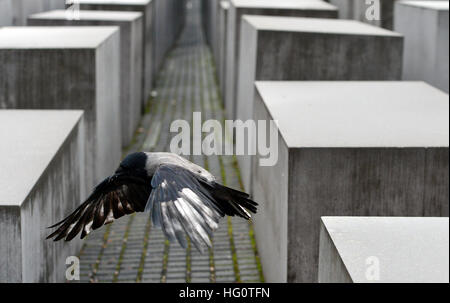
6,13
126,93
230,61
345,8
148,48
436,194
425,58
317,56
56,4
108,128
236,22
137,66
246,89
44,260
213,27
441,64
162,32
222,49
387,14
10,245
221,44
269,189
23,8
331,266
54,79
148,37
354,182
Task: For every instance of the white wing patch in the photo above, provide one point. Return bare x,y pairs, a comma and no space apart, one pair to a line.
181,208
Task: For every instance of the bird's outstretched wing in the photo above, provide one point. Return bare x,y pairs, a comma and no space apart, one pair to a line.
113,198
184,203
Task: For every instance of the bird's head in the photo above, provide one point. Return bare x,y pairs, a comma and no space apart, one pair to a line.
133,164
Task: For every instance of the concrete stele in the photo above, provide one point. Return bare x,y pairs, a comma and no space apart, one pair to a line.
132,79
384,250
345,148
42,181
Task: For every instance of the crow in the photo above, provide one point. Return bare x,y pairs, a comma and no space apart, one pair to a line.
181,197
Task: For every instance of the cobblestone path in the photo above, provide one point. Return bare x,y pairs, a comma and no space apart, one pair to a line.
131,250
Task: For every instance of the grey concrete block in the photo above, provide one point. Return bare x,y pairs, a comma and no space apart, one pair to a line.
41,163
238,8
222,43
54,4
284,48
211,25
357,10
68,68
131,56
424,25
345,148
6,12
384,250
146,7
169,18
163,20
15,12
23,8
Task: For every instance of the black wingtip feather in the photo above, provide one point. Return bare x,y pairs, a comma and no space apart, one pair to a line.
232,200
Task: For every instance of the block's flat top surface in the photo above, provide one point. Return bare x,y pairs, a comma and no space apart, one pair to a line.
358,114
30,140
43,37
407,249
316,25
435,5
116,2
284,4
61,14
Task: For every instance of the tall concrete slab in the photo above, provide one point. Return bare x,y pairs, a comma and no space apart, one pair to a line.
210,15
131,56
424,25
146,7
169,16
163,21
21,9
68,68
54,4
345,148
6,13
384,250
42,180
15,12
238,8
286,48
222,44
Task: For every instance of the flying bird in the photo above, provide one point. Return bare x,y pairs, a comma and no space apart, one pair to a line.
181,197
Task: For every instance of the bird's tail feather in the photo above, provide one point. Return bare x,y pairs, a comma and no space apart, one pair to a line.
232,201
